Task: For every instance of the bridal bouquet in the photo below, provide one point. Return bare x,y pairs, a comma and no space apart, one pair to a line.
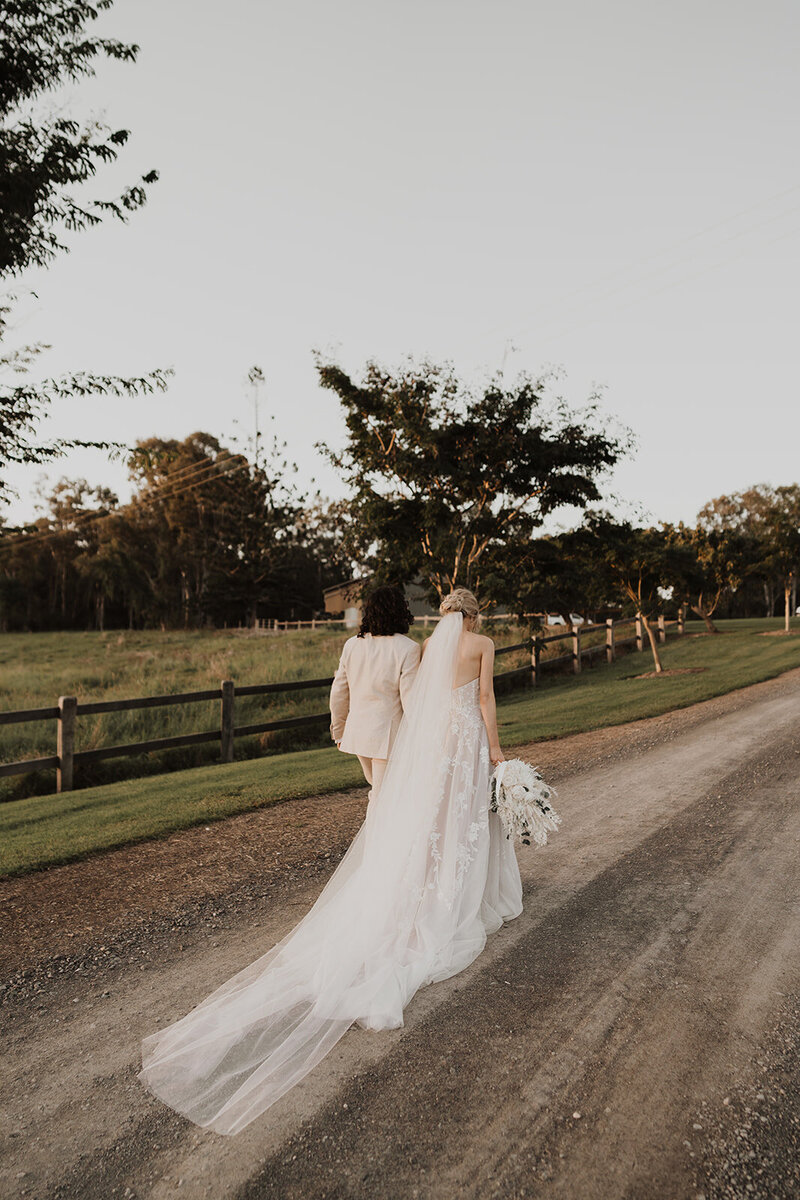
521,799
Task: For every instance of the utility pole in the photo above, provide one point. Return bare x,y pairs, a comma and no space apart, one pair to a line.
255,377
510,348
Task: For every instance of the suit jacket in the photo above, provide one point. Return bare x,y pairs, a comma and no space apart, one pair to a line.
370,690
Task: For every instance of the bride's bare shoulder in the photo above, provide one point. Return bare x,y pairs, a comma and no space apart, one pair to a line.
480,640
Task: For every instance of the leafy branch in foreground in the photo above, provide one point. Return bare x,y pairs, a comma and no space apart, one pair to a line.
21,408
45,44
44,157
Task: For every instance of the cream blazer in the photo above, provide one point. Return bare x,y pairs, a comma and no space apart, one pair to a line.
370,690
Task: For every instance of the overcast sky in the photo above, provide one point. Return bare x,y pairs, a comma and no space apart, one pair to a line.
611,189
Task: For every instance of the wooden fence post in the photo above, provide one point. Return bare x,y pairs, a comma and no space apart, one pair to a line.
65,749
226,721
535,656
576,649
662,629
639,633
610,648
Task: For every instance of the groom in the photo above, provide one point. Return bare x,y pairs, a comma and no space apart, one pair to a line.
373,682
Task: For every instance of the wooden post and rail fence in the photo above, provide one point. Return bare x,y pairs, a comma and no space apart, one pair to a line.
69,709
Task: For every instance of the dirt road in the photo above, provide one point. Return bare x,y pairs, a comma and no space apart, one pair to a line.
633,1034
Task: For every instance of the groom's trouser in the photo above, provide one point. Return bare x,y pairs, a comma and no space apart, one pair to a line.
373,769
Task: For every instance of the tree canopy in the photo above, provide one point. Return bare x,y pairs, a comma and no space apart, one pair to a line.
208,538
768,518
451,482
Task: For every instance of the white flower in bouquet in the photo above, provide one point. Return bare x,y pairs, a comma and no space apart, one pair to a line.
521,799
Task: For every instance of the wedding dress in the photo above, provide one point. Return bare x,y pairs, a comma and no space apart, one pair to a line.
428,876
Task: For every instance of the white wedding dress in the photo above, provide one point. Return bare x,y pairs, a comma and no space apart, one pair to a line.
427,877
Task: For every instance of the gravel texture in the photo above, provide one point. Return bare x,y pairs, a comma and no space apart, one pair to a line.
589,1052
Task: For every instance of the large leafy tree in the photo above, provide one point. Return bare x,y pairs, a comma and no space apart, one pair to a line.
208,537
769,519
568,574
222,525
715,565
450,482
605,562
47,158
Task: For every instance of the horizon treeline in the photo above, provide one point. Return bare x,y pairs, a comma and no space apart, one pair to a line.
211,538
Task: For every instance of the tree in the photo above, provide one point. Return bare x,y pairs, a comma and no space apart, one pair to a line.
451,483
770,518
603,561
208,537
715,566
568,574
316,557
783,544
643,568
218,524
45,160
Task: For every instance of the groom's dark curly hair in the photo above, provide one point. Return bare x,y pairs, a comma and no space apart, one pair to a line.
386,612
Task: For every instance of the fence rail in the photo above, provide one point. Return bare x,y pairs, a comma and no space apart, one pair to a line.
68,709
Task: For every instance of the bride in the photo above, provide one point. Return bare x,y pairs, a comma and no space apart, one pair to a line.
427,877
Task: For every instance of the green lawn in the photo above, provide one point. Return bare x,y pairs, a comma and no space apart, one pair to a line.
37,668
612,695
39,831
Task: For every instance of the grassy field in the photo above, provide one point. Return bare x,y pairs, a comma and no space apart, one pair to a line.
35,669
36,832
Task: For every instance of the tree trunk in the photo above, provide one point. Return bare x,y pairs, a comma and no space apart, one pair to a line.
787,604
703,612
653,645
769,598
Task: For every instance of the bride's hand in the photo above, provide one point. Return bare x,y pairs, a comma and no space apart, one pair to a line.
496,755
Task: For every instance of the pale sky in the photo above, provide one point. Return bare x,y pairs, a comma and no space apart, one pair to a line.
612,189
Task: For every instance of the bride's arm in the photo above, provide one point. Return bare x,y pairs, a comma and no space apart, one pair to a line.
488,705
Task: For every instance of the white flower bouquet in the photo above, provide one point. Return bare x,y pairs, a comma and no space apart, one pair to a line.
521,799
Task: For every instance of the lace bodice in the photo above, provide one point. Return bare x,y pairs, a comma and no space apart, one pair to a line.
467,730
468,695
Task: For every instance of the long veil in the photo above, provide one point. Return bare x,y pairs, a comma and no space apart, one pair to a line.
379,931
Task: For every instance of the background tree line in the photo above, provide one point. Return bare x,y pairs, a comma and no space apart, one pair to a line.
208,538
449,484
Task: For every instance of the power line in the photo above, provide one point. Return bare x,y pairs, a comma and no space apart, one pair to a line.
149,500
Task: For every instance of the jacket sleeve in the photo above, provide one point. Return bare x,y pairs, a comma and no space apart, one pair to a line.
408,673
340,699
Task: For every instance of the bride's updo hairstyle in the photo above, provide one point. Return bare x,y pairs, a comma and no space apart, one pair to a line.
463,601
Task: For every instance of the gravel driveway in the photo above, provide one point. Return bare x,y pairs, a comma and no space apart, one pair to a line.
633,1034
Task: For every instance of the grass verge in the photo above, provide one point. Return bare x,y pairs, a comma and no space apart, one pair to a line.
44,831
612,695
